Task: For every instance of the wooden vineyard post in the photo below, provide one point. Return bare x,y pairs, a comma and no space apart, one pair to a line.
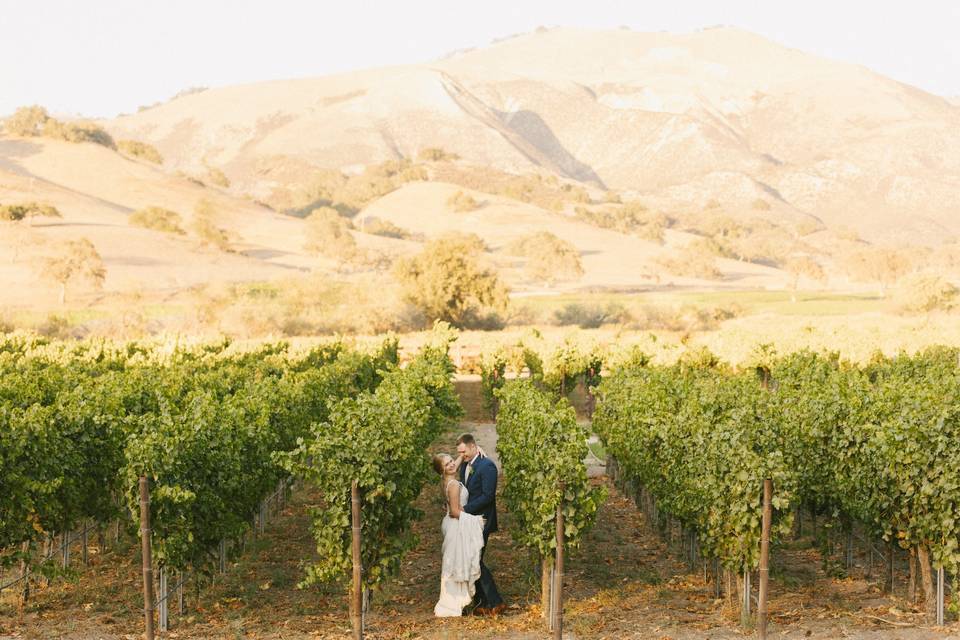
163,606
24,577
356,593
745,608
147,558
890,568
765,557
940,596
558,574
546,584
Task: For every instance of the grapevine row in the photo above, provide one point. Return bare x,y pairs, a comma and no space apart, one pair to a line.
79,425
873,445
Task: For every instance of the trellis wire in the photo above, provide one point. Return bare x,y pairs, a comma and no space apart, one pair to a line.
63,550
261,516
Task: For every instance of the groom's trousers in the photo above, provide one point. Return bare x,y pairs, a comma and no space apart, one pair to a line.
486,588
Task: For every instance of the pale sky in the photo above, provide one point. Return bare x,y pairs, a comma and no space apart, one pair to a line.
103,57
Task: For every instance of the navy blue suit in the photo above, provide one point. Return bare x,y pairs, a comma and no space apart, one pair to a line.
482,501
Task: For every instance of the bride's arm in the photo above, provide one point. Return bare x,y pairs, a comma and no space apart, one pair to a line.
453,499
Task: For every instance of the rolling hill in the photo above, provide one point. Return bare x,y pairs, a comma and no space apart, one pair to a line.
542,130
678,120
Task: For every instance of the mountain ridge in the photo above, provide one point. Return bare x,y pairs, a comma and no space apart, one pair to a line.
656,115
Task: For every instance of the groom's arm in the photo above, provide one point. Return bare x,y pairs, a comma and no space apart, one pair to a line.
488,491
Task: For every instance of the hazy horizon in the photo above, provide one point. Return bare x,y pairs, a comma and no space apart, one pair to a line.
114,56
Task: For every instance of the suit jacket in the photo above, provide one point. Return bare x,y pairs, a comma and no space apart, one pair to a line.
482,487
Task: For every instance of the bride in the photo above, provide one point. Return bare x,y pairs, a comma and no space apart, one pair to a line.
462,542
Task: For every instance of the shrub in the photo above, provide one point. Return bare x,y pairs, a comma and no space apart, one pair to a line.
189,91
693,261
631,218
548,257
590,316
27,121
78,132
22,211
158,219
806,227
924,292
447,282
205,217
847,233
761,205
435,154
76,260
217,177
462,202
35,121
575,193
879,265
684,318
803,267
140,150
328,235
385,228
195,180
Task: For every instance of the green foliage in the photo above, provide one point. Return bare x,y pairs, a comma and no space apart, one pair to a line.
517,359
872,444
376,439
158,219
447,282
493,369
140,150
563,368
81,424
542,448
700,440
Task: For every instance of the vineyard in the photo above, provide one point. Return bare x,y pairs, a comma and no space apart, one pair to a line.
726,469
214,434
869,450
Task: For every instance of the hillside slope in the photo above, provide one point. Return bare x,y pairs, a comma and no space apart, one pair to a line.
95,190
678,119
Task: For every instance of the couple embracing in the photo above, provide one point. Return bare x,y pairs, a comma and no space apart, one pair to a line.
469,484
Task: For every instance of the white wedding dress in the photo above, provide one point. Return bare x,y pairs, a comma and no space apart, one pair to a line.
462,543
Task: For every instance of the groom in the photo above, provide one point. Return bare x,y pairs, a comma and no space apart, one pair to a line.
479,475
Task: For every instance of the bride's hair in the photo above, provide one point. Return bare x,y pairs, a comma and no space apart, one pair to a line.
440,461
